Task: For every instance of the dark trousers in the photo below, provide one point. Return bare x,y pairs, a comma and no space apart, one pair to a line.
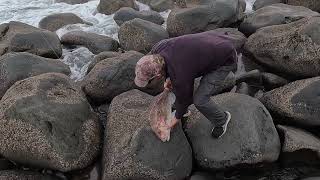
212,84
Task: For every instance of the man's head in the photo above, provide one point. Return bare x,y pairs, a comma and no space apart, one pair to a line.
148,68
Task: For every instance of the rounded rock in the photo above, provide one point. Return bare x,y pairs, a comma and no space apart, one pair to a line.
54,22
18,66
141,35
47,122
258,143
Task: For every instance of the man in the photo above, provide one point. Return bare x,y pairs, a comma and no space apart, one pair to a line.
183,59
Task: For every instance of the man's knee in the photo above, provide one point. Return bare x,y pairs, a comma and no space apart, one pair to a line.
199,101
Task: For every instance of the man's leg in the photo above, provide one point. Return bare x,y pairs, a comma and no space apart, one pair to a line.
212,84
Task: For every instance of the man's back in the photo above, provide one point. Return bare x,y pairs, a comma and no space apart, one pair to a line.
195,54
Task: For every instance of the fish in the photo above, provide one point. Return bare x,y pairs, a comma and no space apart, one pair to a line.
161,115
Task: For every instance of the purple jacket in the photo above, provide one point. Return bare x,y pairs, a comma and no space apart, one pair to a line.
189,57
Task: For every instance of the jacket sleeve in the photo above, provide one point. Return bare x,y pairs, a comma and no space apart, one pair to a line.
184,96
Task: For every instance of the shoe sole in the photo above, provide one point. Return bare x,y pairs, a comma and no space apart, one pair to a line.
226,125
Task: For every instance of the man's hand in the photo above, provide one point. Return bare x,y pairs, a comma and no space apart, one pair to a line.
174,122
167,84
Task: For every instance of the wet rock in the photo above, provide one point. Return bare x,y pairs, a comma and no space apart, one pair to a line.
102,56
295,103
18,66
140,35
274,14
292,49
257,144
94,42
132,150
272,81
54,22
20,37
46,122
126,14
111,6
72,1
252,77
24,175
237,38
114,76
262,3
205,15
299,145
161,5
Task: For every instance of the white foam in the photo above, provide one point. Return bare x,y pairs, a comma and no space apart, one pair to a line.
78,60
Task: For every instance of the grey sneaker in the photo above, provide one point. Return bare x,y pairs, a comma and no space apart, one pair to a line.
217,132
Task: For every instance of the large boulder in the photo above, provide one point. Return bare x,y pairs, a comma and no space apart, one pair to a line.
126,14
161,5
94,42
54,22
237,38
206,14
274,14
24,175
292,48
262,3
133,151
251,137
113,76
311,4
47,122
111,6
20,37
100,57
140,35
295,103
17,66
299,145
72,1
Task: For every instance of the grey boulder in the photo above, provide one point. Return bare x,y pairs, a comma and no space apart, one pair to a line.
272,81
295,103
236,37
132,150
251,137
101,56
126,14
262,3
47,122
274,14
140,35
94,42
205,14
111,6
299,145
311,4
292,49
18,66
54,22
24,175
113,76
20,37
